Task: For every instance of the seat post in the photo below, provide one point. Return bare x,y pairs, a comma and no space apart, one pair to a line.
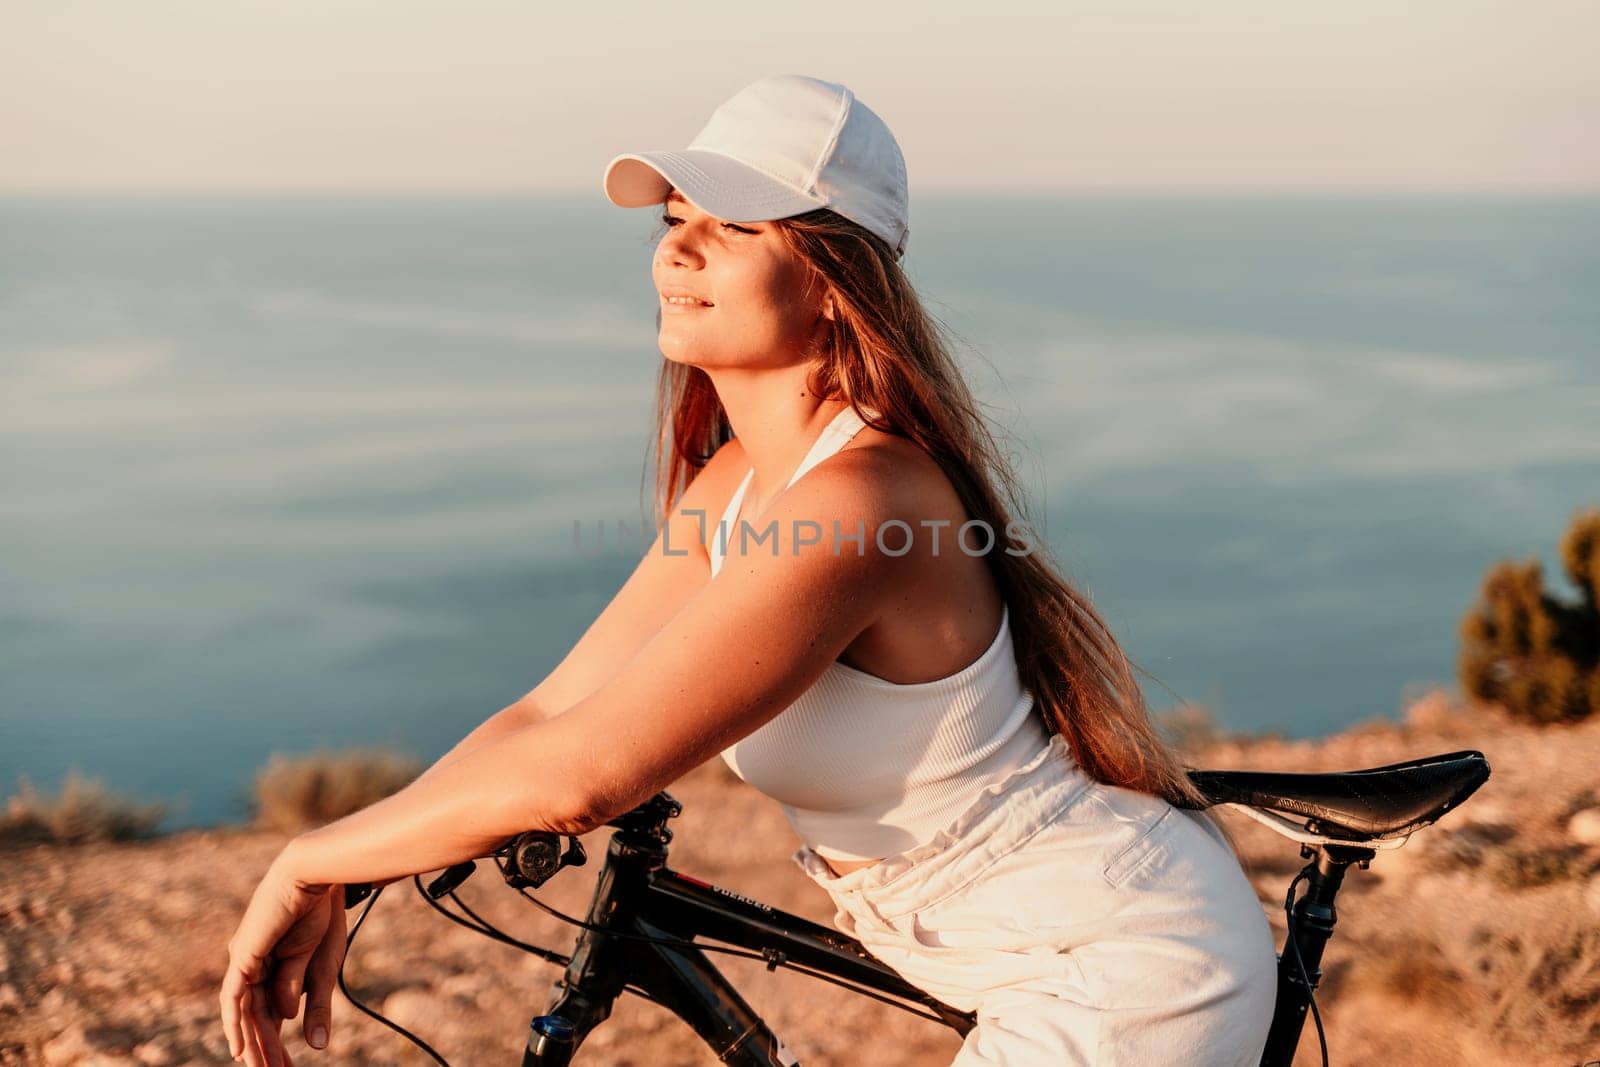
1314,919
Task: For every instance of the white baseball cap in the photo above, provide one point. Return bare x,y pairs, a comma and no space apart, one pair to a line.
780,146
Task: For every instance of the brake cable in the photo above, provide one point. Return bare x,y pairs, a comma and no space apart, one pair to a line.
345,989
480,925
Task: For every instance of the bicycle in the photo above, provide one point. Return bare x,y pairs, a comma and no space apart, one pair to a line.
640,933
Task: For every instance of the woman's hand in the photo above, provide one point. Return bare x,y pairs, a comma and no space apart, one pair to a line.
290,940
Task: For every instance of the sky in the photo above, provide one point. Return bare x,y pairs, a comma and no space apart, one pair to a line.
480,96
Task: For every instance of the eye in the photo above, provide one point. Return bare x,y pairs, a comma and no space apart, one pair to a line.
673,220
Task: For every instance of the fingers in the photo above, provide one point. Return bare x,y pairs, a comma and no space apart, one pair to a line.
267,958
262,1031
283,1050
293,952
250,1053
232,992
288,979
322,976
255,1054
244,971
265,1027
251,1022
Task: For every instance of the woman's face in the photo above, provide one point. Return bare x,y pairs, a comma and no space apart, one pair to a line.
748,305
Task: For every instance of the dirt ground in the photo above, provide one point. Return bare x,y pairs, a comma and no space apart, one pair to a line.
1476,943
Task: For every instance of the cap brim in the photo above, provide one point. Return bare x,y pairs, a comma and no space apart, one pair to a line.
712,182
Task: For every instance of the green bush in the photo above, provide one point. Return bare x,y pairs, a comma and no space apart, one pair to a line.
1530,652
84,811
298,793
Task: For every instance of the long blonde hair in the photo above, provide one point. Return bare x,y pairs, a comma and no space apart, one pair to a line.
885,354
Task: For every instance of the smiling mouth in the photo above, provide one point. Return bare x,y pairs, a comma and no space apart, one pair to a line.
686,301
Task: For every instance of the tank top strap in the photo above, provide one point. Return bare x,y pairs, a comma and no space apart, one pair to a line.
834,436
840,429
719,533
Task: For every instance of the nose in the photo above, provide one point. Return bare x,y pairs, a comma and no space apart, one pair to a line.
679,247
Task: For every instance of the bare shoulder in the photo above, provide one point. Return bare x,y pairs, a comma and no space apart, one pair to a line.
718,478
908,483
873,464
887,488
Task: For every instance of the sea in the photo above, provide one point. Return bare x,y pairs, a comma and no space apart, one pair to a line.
281,474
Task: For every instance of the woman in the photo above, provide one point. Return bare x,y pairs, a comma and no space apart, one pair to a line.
954,734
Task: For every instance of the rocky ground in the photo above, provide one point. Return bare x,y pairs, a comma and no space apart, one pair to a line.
1476,943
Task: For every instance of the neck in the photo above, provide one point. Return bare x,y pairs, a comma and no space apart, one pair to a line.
776,418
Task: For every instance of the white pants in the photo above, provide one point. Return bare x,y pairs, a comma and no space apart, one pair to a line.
1085,924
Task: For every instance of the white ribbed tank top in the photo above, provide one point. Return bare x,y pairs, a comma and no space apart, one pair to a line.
866,768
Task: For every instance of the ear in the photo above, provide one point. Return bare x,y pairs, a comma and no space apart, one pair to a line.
829,311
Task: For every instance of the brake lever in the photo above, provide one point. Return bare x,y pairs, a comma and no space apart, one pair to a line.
451,879
536,857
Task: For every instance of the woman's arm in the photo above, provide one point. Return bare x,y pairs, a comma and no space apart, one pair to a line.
507,720
741,650
464,807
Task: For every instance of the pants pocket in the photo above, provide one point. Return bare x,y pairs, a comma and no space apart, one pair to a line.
1139,852
963,971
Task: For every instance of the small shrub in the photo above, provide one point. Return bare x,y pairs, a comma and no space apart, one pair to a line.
298,793
1549,984
1464,848
1416,970
1526,868
84,811
1536,655
1189,727
1579,801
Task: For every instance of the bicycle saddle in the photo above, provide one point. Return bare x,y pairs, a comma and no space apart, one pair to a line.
1358,805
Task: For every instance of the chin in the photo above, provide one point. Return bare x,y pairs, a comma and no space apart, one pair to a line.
691,358
684,348
679,357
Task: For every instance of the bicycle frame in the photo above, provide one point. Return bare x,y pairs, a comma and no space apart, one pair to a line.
638,895
638,899
639,934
